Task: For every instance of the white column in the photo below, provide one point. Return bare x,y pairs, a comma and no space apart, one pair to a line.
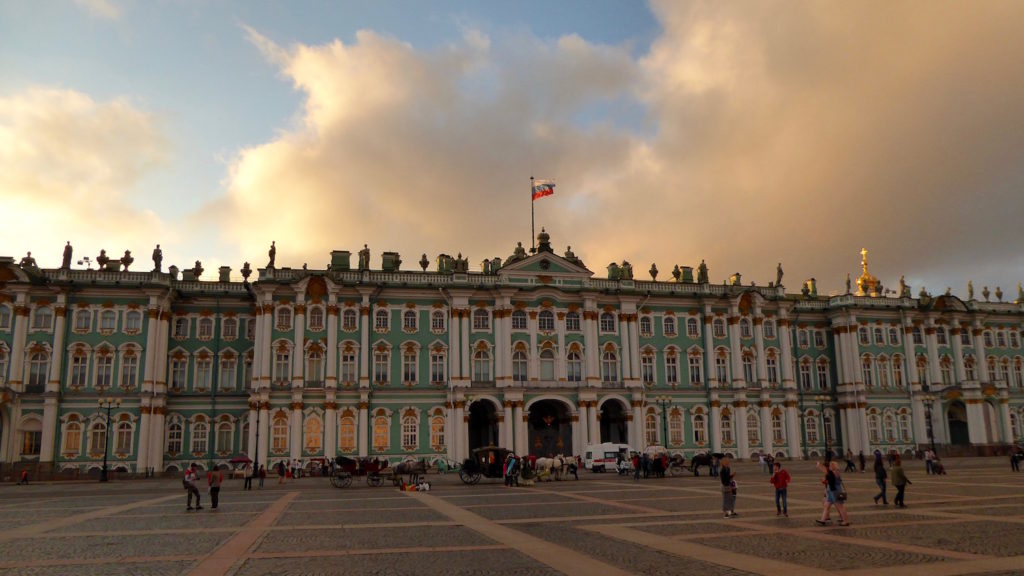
793,429
46,448
462,425
561,372
330,425
786,343
467,351
533,362
740,417
451,432
578,437
506,358
299,339
364,427
583,420
454,347
1004,417
510,426
767,442
264,424
762,367
975,419
593,422
295,424
267,343
634,349
624,351
519,420
331,379
500,348
715,424
17,369
639,440
979,350
591,350
156,436
931,339
364,348
254,403
709,350
958,354
736,355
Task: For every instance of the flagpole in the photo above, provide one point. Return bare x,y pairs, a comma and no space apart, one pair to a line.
533,236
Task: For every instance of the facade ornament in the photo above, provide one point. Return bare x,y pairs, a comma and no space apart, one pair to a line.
364,258
985,293
272,253
778,275
305,265
127,259
676,273
999,293
923,293
65,263
654,272
246,271
158,258
702,273
569,255
949,291
424,262
970,290
627,270
198,269
102,260
519,252
28,262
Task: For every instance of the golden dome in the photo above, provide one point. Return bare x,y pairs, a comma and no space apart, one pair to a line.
867,285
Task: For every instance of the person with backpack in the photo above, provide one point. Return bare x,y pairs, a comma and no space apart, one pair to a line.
189,481
835,495
780,479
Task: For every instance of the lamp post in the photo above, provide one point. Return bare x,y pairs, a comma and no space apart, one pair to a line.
664,402
928,399
108,403
821,399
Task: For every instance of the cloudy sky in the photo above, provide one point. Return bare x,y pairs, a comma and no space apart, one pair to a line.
743,133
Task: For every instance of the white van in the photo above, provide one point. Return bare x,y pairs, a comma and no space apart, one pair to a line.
601,457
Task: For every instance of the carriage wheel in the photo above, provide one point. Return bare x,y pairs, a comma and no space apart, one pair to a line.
341,481
375,480
469,477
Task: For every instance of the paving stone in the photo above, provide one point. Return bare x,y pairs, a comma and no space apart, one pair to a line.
360,517
118,569
981,537
367,538
565,509
113,547
815,553
686,529
474,563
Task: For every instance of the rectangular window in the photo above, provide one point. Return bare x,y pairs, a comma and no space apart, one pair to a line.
380,367
129,372
772,366
672,370
31,442
802,340
108,320
409,368
819,338
769,330
940,335
230,329
695,363
282,366
894,337
692,328
572,322
227,374
879,336
574,366
79,370
647,369
823,376
204,373
805,376
348,368
178,372
104,371
918,338
721,369
965,337
437,368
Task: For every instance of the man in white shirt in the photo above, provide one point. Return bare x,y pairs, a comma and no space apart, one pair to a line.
190,481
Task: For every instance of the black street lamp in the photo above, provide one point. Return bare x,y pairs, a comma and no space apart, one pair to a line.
664,402
108,403
928,399
821,399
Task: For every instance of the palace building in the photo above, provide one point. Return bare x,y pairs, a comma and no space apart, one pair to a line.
532,352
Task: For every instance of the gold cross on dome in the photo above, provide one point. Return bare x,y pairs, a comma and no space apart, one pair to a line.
864,257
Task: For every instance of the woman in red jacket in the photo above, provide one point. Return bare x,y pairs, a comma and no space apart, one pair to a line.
780,479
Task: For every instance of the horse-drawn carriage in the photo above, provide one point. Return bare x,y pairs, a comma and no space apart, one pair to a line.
485,462
345,469
408,470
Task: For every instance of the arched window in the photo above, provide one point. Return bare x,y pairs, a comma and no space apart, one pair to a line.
753,429
778,429
180,328
668,324
481,366
874,428
410,433
279,435
104,369
546,321
83,321
42,319
692,328
481,319
97,437
314,366
748,369
651,429
519,320
645,326
348,320
718,328
72,439
811,429
572,322
224,440
890,427
315,318
205,328
129,370
675,428
5,318
38,370
174,438
381,439
437,321
547,364
284,318
519,365
381,320
123,439
409,320
347,434
726,420
574,367
609,366
229,329
312,434
866,372
607,322
437,432
745,331
200,437
700,433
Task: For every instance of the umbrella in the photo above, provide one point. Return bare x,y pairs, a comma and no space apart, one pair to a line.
240,460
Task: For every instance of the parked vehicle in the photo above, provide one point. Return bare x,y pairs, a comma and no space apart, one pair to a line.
601,457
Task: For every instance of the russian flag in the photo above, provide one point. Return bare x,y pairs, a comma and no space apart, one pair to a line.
542,188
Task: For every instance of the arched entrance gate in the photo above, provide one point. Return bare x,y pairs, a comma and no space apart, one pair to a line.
483,424
549,431
613,422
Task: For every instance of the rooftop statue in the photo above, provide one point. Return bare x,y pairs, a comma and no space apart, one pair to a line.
949,291
778,275
364,258
102,259
272,253
65,263
519,252
985,292
702,273
198,269
677,273
127,259
999,293
627,270
847,282
158,258
1020,293
904,290
28,261
424,262
970,290
654,272
246,272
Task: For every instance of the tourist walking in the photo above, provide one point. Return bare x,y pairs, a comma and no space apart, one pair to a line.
509,462
929,458
849,462
727,478
780,479
835,495
764,463
215,478
880,476
1014,461
190,480
263,474
863,461
900,481
281,471
636,467
23,478
249,473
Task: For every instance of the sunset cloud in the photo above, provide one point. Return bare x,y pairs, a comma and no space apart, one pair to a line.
797,133
105,9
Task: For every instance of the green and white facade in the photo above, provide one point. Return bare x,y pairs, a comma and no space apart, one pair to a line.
532,353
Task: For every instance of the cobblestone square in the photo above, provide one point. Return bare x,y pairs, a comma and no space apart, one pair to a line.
967,522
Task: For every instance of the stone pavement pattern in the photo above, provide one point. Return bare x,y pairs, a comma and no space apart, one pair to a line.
968,522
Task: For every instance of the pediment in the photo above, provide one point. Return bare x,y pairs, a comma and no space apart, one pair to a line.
546,264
